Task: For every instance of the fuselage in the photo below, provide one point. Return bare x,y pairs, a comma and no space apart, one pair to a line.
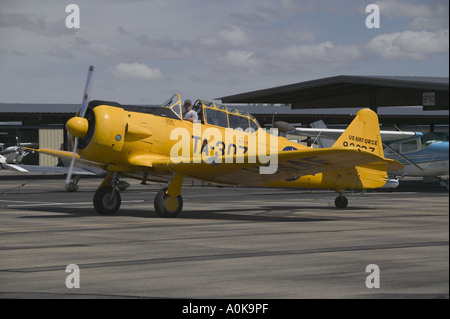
120,136
432,160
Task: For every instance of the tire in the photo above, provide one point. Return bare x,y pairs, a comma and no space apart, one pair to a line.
341,202
166,206
102,203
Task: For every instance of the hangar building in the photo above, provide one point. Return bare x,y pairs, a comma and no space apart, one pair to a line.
334,100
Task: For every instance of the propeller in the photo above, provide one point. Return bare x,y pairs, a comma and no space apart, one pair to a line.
283,126
78,127
20,150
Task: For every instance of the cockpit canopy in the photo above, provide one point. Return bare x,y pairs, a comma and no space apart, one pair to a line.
216,114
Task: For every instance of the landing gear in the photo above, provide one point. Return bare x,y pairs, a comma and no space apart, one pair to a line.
107,200
73,185
167,206
168,201
341,201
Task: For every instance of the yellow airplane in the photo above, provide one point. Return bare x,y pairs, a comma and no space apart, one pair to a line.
225,146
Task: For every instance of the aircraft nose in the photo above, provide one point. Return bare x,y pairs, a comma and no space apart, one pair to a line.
77,126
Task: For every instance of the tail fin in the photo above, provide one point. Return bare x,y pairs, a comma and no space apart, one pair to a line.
321,141
363,133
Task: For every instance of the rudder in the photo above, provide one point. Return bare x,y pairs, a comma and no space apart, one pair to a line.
363,133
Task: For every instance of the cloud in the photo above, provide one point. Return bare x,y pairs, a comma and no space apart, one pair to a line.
225,38
244,60
410,44
249,20
122,30
136,71
423,16
35,24
59,52
293,35
103,50
296,5
321,52
166,48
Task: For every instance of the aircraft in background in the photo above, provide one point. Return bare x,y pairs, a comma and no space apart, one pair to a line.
144,143
429,160
13,154
79,170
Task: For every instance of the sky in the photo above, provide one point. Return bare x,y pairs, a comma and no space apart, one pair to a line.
143,52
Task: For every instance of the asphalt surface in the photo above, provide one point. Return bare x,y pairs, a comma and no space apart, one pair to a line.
229,243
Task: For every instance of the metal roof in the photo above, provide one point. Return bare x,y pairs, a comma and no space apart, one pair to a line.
387,115
39,108
352,91
64,108
42,113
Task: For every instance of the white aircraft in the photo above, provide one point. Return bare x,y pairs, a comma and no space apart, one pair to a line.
429,160
12,154
78,170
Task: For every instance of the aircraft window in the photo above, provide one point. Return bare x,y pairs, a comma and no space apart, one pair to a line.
215,117
254,119
238,122
394,146
410,146
174,103
177,109
221,107
174,99
253,125
198,107
168,103
209,104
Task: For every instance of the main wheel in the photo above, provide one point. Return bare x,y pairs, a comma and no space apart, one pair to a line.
166,206
103,203
341,201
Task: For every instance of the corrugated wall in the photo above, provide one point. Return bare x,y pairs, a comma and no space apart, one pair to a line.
50,138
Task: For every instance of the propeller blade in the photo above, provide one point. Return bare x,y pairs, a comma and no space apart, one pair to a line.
86,92
69,186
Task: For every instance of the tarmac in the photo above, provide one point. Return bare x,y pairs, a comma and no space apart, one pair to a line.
229,243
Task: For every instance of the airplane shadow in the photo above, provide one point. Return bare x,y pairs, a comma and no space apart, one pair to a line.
264,214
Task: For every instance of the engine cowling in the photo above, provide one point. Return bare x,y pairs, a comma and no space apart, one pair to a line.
104,139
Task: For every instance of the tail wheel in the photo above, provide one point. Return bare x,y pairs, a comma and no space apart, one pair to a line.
166,206
105,203
341,201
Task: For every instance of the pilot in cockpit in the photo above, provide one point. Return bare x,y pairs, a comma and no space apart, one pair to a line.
190,114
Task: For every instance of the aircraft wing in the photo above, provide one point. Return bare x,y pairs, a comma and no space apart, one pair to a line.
52,152
386,136
239,171
82,167
48,169
290,164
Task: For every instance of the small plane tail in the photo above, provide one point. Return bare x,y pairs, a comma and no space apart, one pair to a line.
363,133
322,142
